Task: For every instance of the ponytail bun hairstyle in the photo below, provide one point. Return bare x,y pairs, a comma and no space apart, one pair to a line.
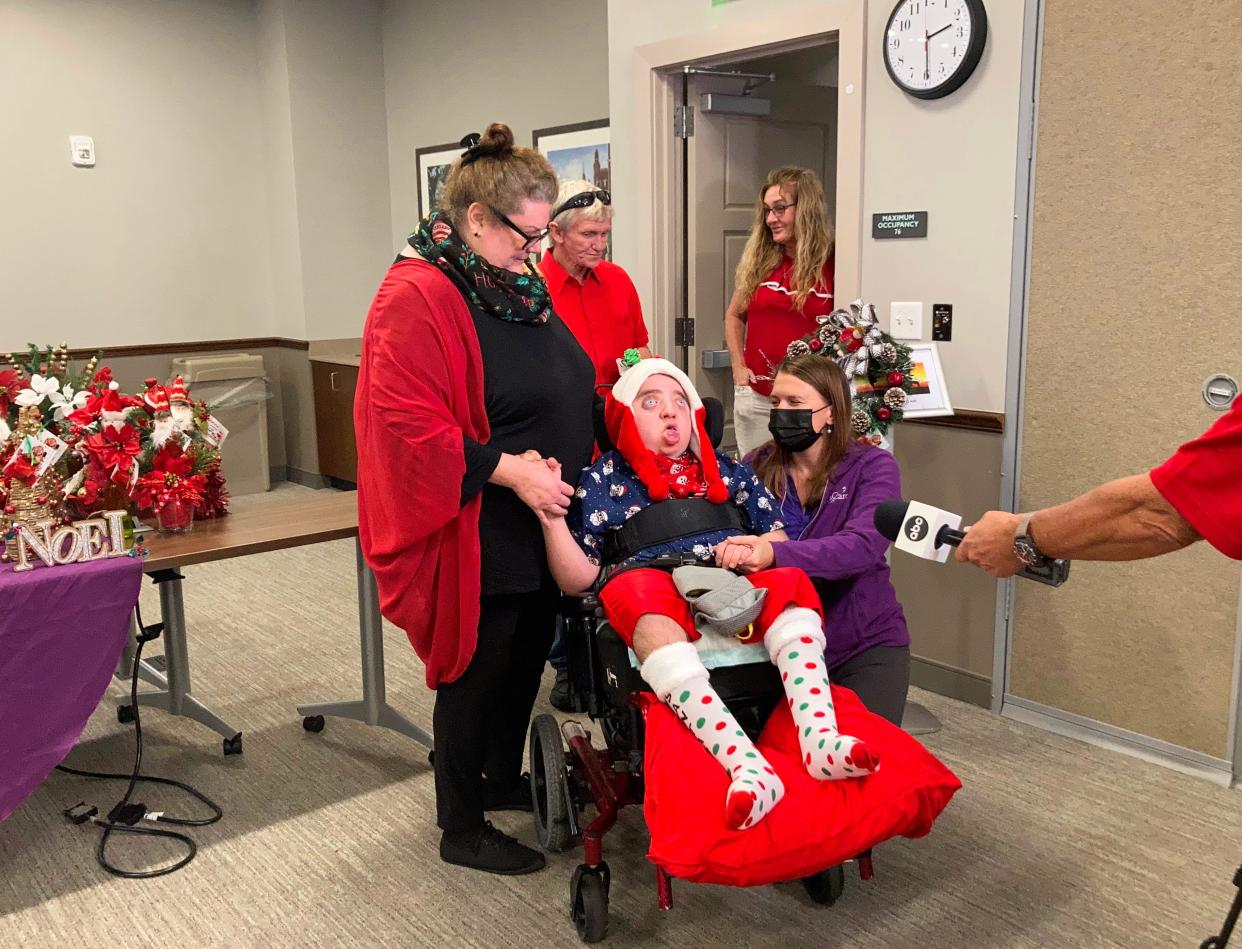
496,172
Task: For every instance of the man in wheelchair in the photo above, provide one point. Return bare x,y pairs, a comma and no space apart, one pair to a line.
664,497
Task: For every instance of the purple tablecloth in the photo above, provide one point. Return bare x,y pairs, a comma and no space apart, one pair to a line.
62,630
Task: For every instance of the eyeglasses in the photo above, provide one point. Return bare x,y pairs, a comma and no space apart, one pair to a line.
583,200
528,240
778,209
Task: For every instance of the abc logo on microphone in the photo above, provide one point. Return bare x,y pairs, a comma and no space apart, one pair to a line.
920,529
917,527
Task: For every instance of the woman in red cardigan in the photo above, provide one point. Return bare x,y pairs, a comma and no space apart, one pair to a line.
471,396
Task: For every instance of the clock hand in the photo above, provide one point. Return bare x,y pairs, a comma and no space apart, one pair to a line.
939,31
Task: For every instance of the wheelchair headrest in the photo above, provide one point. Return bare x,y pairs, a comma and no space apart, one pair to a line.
713,410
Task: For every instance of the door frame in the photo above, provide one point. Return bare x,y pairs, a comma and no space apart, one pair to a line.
655,88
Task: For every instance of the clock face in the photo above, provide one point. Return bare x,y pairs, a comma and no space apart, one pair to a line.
932,46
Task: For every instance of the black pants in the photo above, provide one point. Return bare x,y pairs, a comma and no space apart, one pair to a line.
481,719
880,677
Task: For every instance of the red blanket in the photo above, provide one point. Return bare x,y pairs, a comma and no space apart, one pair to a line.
817,825
420,387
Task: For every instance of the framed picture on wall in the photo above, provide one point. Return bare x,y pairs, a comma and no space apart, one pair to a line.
579,151
930,395
433,162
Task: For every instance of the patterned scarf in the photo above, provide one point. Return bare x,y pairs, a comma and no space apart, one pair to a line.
517,298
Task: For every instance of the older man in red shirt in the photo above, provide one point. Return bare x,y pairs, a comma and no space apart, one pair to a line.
594,296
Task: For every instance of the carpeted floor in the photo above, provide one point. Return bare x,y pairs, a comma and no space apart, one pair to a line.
329,839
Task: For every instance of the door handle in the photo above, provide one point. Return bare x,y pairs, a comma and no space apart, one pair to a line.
1219,391
332,381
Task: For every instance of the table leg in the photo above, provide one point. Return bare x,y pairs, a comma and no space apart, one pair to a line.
175,697
373,707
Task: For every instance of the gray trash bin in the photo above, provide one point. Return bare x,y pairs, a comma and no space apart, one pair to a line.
235,388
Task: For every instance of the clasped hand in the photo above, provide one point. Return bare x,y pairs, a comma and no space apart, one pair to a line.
745,554
539,485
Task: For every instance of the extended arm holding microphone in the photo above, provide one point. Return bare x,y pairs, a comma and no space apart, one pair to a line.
1126,519
929,532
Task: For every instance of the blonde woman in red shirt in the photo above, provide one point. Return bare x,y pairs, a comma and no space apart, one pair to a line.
783,282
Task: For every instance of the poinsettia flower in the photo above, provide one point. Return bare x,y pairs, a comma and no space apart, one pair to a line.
39,389
66,401
114,447
10,385
172,459
21,468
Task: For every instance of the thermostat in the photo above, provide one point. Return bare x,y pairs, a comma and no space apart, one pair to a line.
82,151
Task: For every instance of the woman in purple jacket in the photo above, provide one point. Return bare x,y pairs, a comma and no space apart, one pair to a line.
829,485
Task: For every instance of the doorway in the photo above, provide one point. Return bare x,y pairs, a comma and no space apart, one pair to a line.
749,116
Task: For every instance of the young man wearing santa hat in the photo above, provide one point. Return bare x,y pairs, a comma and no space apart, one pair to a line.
656,420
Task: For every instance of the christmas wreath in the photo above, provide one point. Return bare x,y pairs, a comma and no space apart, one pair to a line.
879,368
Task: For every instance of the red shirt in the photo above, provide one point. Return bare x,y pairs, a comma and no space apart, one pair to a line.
1203,480
602,312
773,322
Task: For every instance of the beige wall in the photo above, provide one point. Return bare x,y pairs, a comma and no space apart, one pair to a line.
167,237
451,68
241,188
1130,271
339,130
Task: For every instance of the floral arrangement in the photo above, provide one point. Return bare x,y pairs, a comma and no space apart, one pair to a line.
880,369
76,434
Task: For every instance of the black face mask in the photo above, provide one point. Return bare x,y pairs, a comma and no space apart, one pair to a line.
792,429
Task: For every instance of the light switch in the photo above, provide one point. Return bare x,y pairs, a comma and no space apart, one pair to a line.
905,320
82,151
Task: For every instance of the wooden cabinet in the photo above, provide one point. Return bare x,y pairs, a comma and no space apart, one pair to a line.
334,386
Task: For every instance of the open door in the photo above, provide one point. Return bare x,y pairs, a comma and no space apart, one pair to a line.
728,155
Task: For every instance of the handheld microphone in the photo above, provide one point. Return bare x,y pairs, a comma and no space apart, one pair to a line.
919,529
929,532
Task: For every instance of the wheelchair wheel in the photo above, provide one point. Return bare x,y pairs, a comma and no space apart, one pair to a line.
588,901
548,786
827,886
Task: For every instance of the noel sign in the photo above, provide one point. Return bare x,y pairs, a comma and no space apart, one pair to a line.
78,542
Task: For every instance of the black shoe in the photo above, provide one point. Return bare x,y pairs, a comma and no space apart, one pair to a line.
559,695
489,850
514,797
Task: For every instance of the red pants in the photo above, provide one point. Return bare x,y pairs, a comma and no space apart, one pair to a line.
635,593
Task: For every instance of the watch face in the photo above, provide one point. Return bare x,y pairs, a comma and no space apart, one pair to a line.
932,46
1026,551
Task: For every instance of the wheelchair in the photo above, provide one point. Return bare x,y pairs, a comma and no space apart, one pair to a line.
569,774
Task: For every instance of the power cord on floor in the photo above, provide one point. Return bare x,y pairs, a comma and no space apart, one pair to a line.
124,815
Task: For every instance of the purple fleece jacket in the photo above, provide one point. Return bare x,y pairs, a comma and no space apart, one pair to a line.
843,554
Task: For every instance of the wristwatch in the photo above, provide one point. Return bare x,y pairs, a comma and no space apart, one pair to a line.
1024,547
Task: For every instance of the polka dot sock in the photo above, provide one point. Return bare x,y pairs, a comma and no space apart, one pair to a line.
795,641
677,675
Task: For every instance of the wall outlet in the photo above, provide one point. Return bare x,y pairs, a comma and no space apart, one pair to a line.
905,320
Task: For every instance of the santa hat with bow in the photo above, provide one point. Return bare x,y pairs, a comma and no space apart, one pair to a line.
619,418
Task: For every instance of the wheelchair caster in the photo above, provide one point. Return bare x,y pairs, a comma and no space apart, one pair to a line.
548,786
588,906
313,723
124,714
826,887
233,746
